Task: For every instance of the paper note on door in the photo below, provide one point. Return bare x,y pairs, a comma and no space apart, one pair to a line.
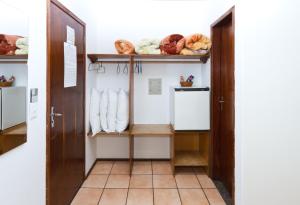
70,71
70,35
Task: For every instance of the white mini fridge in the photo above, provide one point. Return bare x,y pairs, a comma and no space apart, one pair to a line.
190,109
12,106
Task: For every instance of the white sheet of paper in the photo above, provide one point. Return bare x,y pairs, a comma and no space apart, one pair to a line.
70,35
70,71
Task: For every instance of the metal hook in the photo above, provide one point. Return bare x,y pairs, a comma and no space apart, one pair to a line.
125,70
89,68
141,67
136,69
101,68
118,68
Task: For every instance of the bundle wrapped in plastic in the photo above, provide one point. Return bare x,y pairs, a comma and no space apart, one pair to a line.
172,44
124,47
196,44
148,46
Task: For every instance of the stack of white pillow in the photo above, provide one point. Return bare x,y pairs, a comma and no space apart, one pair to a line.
109,111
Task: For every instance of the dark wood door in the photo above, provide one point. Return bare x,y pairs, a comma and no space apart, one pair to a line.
66,137
223,101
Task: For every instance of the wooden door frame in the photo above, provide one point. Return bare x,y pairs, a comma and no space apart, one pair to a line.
48,88
228,16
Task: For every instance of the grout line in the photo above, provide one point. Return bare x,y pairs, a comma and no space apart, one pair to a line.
206,196
178,190
108,175
101,196
142,188
134,188
199,182
127,196
152,183
106,182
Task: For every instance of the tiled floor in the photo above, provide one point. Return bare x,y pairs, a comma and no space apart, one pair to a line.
151,183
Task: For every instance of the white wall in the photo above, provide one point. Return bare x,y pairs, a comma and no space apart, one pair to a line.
134,20
268,101
23,170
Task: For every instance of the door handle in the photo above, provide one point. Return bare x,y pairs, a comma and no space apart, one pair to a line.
221,101
53,115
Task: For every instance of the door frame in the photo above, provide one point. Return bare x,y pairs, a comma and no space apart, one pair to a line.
215,64
48,88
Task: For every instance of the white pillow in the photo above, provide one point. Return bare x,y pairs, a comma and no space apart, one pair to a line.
95,112
122,111
112,110
103,110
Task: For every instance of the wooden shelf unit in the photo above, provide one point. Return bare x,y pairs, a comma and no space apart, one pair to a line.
191,148
191,153
149,58
14,59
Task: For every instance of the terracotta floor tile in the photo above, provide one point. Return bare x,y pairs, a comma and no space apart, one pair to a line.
87,196
118,181
142,167
102,167
214,197
205,181
95,181
141,181
166,197
161,167
164,181
121,167
187,181
137,190
140,197
193,197
114,197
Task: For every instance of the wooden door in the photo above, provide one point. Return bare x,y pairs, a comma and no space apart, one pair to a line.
223,100
66,137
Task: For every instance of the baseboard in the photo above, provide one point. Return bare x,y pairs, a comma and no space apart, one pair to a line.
112,159
136,159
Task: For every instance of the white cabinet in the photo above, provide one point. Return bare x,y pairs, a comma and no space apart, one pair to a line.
12,106
190,108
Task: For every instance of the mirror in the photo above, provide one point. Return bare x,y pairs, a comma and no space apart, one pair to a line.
13,75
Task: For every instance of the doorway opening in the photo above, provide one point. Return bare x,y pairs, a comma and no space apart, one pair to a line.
65,104
222,101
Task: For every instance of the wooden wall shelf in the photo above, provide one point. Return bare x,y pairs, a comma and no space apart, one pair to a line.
159,58
140,129
106,134
95,57
13,58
